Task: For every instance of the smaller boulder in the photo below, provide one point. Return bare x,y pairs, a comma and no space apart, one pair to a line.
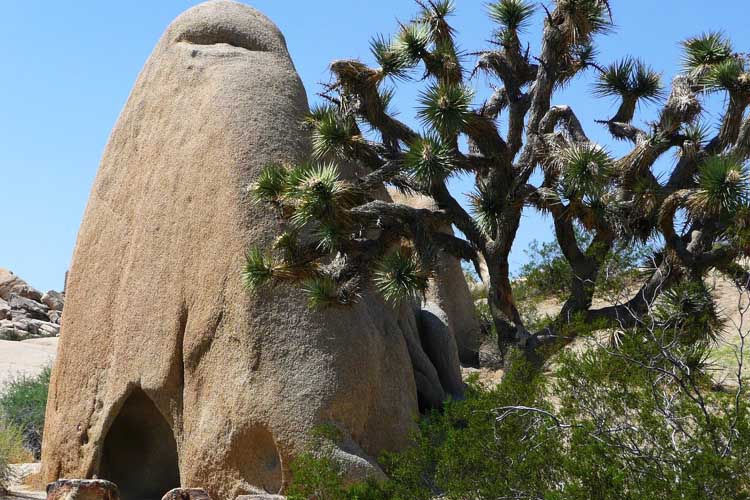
186,494
10,284
17,315
46,328
9,332
82,489
264,496
4,309
54,300
55,317
26,325
440,346
35,309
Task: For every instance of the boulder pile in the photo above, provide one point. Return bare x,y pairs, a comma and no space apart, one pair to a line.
25,312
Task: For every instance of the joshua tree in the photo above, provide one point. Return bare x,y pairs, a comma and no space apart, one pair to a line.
345,234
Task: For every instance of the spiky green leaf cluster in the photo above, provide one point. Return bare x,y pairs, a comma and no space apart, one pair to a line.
730,75
696,134
321,291
329,235
309,194
270,184
582,19
434,14
392,60
486,208
317,193
445,107
629,78
439,9
585,170
333,134
722,187
398,277
413,41
258,270
690,310
512,15
429,160
701,53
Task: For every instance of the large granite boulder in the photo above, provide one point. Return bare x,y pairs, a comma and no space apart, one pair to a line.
169,373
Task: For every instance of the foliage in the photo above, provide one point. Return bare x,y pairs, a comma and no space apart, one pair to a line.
512,15
629,78
548,274
318,475
704,52
631,421
11,452
398,277
646,424
22,404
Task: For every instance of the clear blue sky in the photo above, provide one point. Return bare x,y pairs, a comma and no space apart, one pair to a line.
69,67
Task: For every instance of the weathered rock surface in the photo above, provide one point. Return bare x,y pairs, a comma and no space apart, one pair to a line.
12,284
169,373
34,309
4,309
53,300
440,346
22,314
186,494
82,489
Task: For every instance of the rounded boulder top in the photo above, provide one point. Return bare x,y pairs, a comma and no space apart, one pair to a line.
227,22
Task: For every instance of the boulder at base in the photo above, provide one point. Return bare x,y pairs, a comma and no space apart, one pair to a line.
169,373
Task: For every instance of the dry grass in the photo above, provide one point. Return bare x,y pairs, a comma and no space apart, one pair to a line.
11,445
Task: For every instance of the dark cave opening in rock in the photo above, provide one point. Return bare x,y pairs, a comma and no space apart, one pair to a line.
139,452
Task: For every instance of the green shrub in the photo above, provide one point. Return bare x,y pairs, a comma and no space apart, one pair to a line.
640,420
11,452
548,274
22,403
317,474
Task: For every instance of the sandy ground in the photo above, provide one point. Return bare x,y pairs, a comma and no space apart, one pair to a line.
28,357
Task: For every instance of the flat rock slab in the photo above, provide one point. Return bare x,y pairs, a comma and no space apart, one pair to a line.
20,487
186,494
28,357
263,496
82,489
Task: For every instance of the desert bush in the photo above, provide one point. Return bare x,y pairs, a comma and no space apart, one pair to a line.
636,419
22,403
548,274
318,475
11,451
